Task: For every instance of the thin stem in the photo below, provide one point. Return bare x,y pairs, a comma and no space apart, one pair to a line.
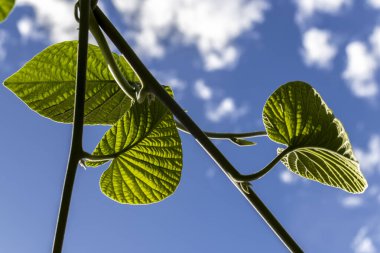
76,142
270,219
266,169
128,89
154,87
99,158
228,136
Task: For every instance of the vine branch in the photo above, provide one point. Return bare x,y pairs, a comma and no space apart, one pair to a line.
233,137
76,150
125,86
266,169
153,86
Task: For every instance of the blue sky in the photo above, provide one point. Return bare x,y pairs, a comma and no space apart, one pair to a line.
223,58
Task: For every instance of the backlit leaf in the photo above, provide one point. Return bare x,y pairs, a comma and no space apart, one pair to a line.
296,115
148,162
47,85
6,7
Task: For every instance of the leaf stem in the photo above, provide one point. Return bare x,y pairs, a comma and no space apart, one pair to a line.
227,136
76,150
128,88
153,85
99,158
266,169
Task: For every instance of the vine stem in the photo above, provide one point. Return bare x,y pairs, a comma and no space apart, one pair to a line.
154,86
76,150
127,88
225,136
267,168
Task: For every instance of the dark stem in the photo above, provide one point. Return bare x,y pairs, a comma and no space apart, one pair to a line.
153,86
126,87
100,158
214,135
266,169
76,151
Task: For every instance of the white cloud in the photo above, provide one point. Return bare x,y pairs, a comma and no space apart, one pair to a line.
210,25
288,177
172,80
360,70
373,192
218,107
126,6
352,201
3,52
374,3
25,27
225,109
370,159
363,243
176,83
307,8
219,60
28,30
55,16
374,39
318,50
202,90
363,62
365,246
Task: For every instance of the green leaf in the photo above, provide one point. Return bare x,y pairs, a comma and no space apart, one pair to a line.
148,162
47,85
6,7
296,115
242,142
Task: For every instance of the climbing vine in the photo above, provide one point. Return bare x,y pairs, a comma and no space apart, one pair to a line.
78,83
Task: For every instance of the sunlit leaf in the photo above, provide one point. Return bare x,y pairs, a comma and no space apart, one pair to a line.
6,7
296,115
47,85
148,162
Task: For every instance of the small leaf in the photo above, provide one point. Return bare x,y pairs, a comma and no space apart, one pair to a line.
47,85
242,142
6,7
296,115
148,165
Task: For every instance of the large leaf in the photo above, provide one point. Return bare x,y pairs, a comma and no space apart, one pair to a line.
296,115
6,7
47,85
148,162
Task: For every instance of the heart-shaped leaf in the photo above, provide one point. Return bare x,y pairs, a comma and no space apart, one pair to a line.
47,85
148,155
6,7
296,115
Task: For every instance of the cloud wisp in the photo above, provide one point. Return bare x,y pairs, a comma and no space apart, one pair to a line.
318,49
207,25
218,109
3,51
288,177
306,9
374,3
363,63
364,241
59,25
360,70
370,158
